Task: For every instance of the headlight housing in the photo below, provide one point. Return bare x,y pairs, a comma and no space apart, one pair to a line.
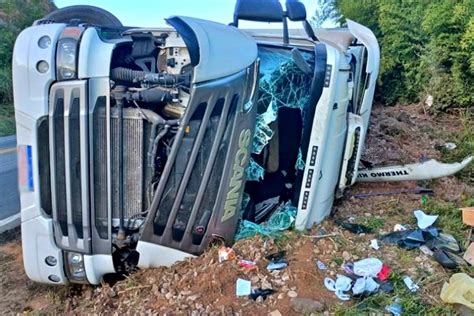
67,52
75,268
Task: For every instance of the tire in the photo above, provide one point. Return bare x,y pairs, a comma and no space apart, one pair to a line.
86,14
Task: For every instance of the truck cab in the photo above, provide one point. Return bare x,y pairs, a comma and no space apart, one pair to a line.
139,147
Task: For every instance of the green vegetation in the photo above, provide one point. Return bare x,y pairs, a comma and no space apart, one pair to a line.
375,223
427,47
464,141
15,15
7,120
449,220
411,303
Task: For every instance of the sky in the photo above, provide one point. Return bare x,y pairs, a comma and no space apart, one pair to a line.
151,13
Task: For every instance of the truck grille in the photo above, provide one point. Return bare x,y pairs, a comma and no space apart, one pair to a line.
204,175
84,165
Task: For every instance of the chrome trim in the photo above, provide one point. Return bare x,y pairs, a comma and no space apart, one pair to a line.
68,91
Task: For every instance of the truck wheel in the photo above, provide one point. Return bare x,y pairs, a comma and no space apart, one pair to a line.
85,14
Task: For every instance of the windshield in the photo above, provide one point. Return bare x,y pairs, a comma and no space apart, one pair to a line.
146,13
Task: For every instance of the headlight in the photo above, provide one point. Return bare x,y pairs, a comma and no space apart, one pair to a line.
67,53
75,269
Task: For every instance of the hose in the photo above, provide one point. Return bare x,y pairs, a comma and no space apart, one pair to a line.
130,75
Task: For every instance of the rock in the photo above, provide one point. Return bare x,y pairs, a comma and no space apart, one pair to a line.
292,294
285,277
168,295
346,256
266,284
281,296
192,298
306,305
259,299
186,293
275,313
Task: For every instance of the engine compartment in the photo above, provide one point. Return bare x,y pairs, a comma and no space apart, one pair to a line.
150,82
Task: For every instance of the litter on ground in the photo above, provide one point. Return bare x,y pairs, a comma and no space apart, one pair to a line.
460,290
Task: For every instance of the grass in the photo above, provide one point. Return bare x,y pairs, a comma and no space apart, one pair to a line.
7,120
464,141
450,219
411,303
375,223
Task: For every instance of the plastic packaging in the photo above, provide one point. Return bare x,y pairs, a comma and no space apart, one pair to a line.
243,287
424,221
460,290
368,267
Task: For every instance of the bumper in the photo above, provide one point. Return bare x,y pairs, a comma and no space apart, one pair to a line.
38,243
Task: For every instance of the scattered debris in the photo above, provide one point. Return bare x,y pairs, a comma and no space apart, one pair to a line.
426,250
399,228
395,308
468,215
469,254
247,264
384,273
365,286
277,261
277,265
243,287
374,244
365,273
447,259
261,293
340,286
460,290
306,306
226,253
423,220
320,236
355,228
450,146
368,267
321,265
348,268
412,286
276,312
281,220
430,240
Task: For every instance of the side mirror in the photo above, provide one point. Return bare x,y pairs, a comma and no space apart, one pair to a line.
258,10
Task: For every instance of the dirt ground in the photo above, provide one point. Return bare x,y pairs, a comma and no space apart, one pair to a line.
205,286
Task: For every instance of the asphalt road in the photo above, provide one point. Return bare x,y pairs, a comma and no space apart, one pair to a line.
9,197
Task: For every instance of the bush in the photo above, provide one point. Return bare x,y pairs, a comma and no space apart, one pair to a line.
427,48
15,15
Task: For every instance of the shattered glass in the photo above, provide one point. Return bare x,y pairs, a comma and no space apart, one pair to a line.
281,84
281,220
254,171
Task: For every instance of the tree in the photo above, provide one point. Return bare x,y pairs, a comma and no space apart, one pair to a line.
326,11
427,48
15,15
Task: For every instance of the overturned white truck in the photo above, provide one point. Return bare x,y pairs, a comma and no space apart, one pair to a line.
137,145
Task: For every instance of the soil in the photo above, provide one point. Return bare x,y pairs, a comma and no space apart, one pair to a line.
202,285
